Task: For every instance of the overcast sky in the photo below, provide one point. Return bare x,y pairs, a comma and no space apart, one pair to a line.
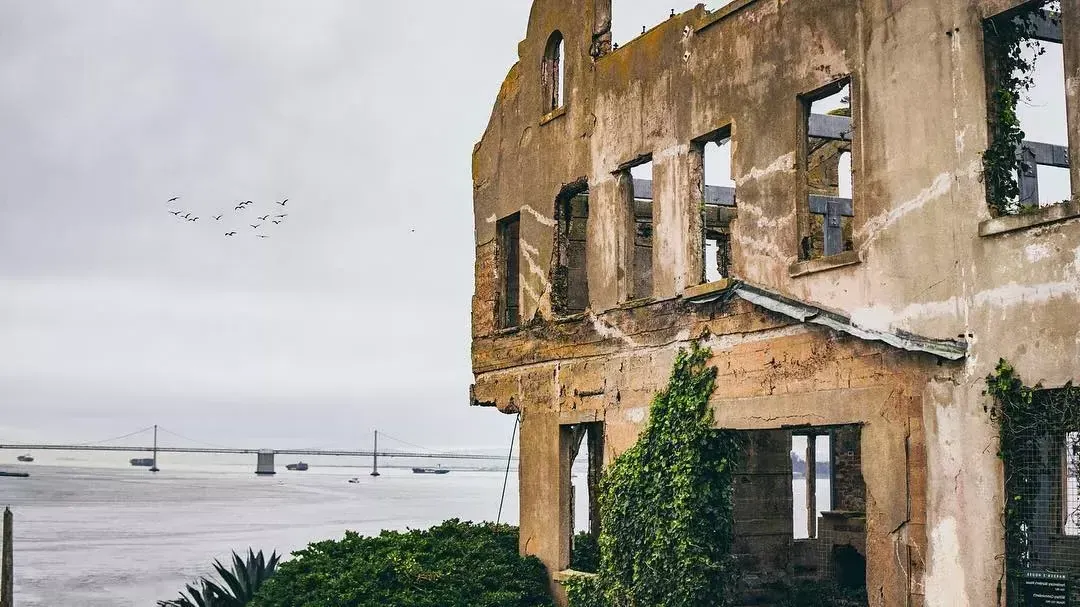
352,315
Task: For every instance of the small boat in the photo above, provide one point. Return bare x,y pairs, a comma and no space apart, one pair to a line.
145,462
354,480
25,458
301,466
439,470
15,474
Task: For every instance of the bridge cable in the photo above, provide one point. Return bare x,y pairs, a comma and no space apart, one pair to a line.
189,439
109,440
509,456
404,442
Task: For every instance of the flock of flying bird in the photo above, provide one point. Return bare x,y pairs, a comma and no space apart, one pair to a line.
275,219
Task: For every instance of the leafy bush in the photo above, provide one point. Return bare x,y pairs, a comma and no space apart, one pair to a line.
236,588
585,555
666,526
455,564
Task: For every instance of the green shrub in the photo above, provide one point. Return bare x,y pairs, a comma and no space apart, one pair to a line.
666,525
454,564
585,555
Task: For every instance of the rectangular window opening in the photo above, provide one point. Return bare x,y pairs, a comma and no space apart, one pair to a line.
786,527
642,180
811,473
571,279
508,232
828,172
1042,177
584,453
719,204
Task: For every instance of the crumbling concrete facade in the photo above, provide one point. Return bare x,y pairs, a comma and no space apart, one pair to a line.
890,327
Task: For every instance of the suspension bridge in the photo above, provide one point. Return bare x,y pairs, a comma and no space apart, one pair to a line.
264,458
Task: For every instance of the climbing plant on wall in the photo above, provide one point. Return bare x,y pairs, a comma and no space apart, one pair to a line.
666,504
1026,417
1011,53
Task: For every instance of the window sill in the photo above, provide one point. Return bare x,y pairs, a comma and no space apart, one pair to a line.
558,112
637,303
506,331
706,289
567,574
1012,223
813,266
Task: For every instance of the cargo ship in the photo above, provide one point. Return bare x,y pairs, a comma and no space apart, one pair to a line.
301,466
439,470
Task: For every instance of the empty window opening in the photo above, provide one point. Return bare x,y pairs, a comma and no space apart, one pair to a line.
828,172
1072,491
508,232
1041,175
583,457
554,73
642,270
811,488
571,276
774,507
719,204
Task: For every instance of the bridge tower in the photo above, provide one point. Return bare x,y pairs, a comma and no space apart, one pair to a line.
153,466
375,456
264,465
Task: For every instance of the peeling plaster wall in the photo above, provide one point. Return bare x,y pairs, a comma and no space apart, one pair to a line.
919,112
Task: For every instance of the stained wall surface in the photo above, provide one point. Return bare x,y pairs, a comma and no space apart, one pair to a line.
920,263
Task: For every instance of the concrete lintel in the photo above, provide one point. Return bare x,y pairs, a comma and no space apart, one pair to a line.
581,416
1011,223
823,408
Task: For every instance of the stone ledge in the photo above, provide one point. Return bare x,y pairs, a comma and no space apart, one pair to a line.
1012,223
720,13
707,289
558,112
567,574
813,266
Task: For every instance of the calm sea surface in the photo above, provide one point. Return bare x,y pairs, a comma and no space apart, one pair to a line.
100,533
105,534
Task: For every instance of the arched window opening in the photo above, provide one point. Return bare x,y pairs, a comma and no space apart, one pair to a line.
554,74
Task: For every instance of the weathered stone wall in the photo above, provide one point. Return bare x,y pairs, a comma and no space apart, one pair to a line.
919,263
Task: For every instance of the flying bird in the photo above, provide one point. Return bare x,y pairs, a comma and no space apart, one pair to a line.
277,221
282,216
186,215
174,199
265,217
217,217
282,203
175,212
262,236
230,233
194,219
255,226
239,207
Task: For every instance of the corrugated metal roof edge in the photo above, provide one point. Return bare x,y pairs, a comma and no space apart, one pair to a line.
949,349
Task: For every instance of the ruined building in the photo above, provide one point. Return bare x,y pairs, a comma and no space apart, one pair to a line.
844,265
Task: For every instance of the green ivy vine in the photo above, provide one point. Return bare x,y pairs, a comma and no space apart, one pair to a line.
1012,76
1025,415
666,504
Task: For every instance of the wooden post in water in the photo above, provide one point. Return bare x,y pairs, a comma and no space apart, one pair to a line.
7,566
375,456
